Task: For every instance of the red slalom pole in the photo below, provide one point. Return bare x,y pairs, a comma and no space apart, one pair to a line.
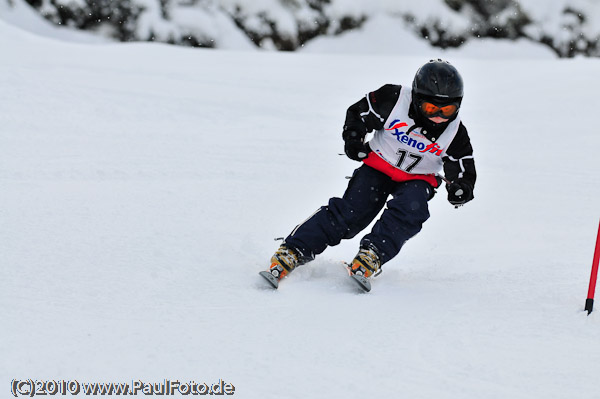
589,302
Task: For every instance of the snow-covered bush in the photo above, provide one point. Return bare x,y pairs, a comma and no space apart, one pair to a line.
117,19
569,27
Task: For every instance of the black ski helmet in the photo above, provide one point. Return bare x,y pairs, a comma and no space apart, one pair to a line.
438,80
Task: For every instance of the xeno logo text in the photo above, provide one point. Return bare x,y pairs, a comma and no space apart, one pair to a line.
401,136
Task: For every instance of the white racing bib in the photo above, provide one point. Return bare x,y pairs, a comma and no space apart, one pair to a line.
412,153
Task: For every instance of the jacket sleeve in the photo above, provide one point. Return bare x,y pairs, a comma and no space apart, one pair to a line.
459,162
371,112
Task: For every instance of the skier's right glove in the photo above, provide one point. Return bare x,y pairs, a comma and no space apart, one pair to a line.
459,193
354,147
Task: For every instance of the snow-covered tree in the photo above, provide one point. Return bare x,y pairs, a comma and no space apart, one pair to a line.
569,27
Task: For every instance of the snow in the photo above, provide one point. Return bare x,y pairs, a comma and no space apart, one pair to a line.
558,20
143,184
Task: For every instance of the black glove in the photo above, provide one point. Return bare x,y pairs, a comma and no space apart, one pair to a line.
356,150
354,147
459,193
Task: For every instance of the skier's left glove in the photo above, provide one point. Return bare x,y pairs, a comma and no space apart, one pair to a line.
459,192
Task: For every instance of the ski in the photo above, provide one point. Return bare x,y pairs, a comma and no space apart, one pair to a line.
270,278
361,281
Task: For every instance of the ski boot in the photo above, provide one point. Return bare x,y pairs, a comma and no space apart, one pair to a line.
282,263
365,264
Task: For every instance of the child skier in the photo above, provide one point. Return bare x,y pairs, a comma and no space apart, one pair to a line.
417,132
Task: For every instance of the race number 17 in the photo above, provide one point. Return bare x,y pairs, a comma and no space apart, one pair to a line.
415,159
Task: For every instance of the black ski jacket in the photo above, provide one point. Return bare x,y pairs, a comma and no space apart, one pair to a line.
459,162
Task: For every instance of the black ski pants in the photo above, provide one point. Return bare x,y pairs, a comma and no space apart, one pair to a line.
367,193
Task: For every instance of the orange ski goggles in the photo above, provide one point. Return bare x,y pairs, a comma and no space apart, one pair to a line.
431,110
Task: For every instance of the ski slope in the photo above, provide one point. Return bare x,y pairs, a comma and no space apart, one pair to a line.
142,187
